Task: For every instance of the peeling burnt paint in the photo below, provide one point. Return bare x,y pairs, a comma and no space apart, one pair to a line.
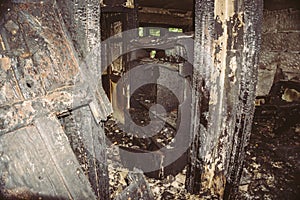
235,29
229,69
218,28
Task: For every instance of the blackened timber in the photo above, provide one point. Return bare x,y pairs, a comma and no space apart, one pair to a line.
116,9
170,17
203,18
43,153
82,20
227,41
45,69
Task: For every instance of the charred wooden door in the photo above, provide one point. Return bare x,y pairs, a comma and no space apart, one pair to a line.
227,37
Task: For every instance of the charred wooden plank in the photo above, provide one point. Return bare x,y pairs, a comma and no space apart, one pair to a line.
38,159
82,20
37,42
23,113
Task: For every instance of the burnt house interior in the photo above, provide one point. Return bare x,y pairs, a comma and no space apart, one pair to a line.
149,99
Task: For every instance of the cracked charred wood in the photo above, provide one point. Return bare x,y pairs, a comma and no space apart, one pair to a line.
61,102
37,161
41,75
227,38
138,188
82,19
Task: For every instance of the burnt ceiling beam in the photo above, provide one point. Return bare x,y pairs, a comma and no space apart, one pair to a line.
170,17
186,5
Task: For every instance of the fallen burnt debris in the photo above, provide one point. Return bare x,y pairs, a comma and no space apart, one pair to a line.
271,164
138,187
281,106
270,168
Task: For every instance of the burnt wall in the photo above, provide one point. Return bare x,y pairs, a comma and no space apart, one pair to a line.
280,46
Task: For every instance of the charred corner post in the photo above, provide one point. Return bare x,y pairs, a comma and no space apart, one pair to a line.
227,42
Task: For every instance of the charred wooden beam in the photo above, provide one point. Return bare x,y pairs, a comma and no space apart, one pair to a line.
170,17
227,39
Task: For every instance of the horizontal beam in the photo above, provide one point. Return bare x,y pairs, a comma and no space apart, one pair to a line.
165,16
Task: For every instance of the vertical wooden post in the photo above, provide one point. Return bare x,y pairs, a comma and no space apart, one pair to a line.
227,37
82,19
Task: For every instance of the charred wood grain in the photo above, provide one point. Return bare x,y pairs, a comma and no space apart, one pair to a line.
37,44
20,114
42,75
227,39
82,20
38,161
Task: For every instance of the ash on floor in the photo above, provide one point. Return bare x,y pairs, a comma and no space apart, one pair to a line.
167,189
172,187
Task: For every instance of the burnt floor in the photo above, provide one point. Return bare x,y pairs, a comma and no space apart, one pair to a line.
271,168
